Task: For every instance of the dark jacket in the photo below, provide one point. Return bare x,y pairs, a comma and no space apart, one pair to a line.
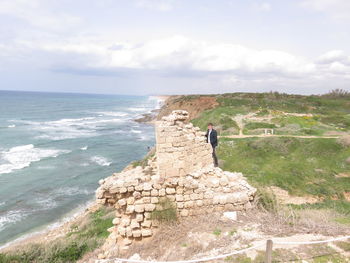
213,137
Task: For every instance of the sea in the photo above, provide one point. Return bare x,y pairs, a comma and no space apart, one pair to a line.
55,147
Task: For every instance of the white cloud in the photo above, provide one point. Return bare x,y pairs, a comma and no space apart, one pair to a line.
36,13
182,57
263,6
337,9
160,5
181,54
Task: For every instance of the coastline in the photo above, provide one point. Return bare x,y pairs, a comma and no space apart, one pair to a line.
63,225
51,231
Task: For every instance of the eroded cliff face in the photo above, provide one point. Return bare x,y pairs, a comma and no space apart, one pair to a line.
182,173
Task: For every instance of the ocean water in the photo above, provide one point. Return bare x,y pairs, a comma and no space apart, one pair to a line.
55,147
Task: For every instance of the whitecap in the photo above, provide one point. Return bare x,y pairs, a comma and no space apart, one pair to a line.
46,202
84,148
69,191
11,126
100,161
20,157
135,131
112,113
11,217
137,109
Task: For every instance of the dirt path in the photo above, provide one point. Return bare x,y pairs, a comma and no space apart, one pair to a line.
280,135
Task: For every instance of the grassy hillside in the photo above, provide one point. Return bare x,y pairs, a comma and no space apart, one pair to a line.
317,167
321,113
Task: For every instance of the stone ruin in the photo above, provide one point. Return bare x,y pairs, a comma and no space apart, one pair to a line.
181,172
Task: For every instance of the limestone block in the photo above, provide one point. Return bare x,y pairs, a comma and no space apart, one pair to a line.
134,224
179,190
170,191
131,189
180,205
179,198
122,202
154,200
130,200
184,212
128,231
123,190
189,204
129,209
146,223
146,199
146,232
147,187
199,203
149,207
229,207
136,195
125,221
139,208
187,197
154,192
139,217
114,190
162,192
116,221
139,187
147,215
136,233
122,231
146,193
157,186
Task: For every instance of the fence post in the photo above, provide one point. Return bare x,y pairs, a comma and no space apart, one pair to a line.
268,253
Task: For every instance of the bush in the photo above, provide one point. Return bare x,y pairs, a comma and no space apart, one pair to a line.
267,200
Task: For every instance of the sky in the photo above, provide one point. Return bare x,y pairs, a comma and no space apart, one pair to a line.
150,47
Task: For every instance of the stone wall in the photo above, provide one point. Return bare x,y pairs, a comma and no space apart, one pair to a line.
182,173
181,148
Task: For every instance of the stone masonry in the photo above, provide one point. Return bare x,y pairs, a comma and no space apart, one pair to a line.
181,172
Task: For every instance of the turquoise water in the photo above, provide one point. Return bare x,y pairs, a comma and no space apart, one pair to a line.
54,148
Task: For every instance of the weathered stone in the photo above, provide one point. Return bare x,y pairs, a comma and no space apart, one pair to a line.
149,207
170,191
146,232
184,212
139,208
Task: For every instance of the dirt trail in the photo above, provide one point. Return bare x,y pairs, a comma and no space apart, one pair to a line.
280,135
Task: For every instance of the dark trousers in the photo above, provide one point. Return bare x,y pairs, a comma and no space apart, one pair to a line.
215,158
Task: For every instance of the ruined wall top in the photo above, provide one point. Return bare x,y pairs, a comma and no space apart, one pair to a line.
180,147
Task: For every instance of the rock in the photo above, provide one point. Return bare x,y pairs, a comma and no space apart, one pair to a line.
150,207
170,191
146,232
139,208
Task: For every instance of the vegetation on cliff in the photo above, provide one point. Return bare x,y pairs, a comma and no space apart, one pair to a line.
84,236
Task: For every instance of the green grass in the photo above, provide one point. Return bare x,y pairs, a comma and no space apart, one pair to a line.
70,248
217,232
330,113
300,166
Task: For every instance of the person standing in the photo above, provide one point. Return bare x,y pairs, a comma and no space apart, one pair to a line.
212,138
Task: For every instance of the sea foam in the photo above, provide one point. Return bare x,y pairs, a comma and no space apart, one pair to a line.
100,161
20,157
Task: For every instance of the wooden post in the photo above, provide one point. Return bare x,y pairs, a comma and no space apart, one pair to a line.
268,254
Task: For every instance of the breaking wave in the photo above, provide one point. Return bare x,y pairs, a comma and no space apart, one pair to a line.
20,157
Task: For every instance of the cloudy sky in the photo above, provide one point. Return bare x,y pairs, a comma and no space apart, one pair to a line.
175,46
